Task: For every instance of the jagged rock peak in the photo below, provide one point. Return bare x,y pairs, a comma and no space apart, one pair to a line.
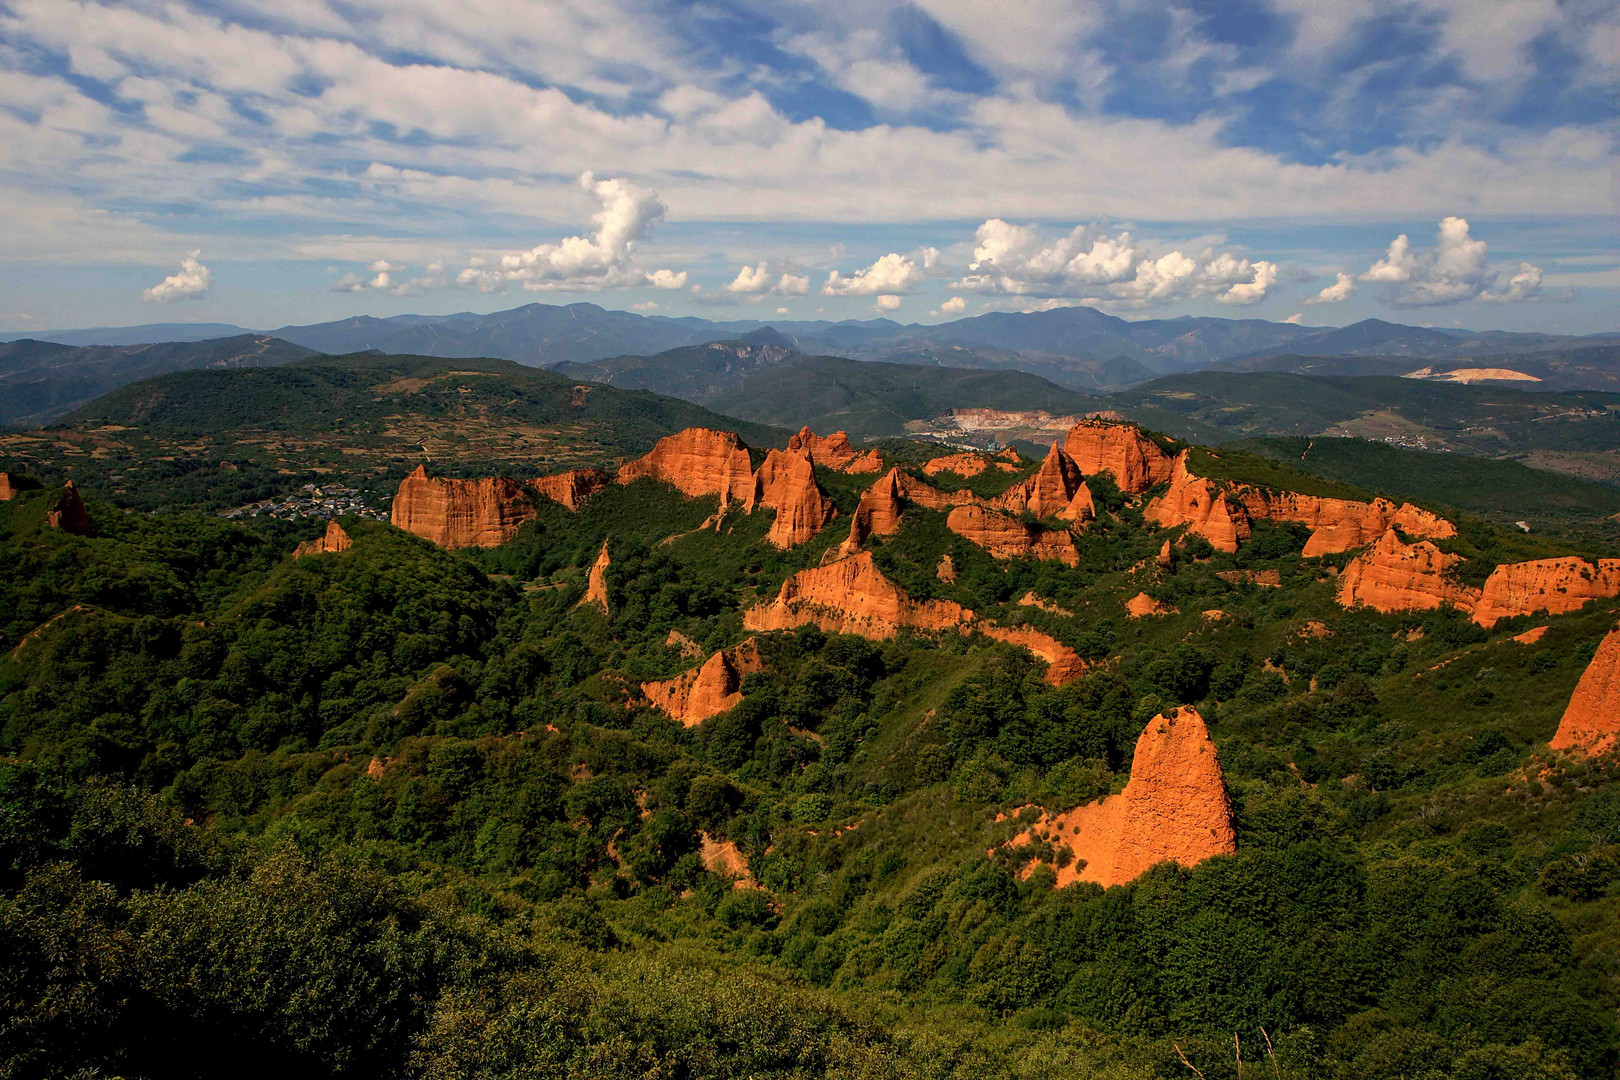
596,582
708,690
1591,721
1123,451
334,540
698,461
67,511
786,483
851,596
829,451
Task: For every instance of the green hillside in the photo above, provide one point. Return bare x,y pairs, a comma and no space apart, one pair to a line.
871,400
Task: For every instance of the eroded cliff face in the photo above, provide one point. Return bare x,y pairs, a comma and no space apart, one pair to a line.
596,582
1555,586
829,451
786,483
333,541
851,596
965,464
867,461
571,488
67,511
698,461
10,486
1063,663
878,512
1393,575
1343,524
1052,491
1202,506
1007,537
1591,722
708,690
1174,809
1134,461
461,513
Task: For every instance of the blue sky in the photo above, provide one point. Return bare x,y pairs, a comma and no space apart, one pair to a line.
265,164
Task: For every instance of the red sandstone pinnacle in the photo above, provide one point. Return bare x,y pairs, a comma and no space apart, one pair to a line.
1555,586
867,461
786,483
1142,605
332,542
10,486
1174,809
829,451
878,512
596,582
1122,450
708,690
1202,506
1007,537
1591,722
1051,491
1396,576
698,461
67,511
851,596
571,488
1063,663
461,513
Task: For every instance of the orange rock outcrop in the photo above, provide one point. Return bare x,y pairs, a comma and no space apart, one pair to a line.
571,488
10,486
867,461
706,691
1057,489
960,464
878,512
722,857
1007,537
945,569
1174,809
698,461
1393,575
1591,722
1063,663
331,542
67,511
1142,605
1029,599
851,596
1122,450
1532,635
461,513
830,451
786,483
1555,586
596,582
1342,524
1202,506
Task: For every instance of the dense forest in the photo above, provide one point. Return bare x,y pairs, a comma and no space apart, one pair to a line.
402,811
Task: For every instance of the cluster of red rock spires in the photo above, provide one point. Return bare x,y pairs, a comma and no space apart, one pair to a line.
1175,808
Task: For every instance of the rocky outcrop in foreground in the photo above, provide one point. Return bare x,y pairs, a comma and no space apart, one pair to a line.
698,461
709,690
461,513
1591,722
1057,489
1202,506
1174,809
1555,586
1122,450
786,483
1393,575
333,541
851,596
1007,537
67,511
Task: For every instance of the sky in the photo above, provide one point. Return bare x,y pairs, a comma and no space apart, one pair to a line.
1437,162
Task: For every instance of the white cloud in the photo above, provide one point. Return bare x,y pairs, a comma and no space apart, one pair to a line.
781,311
954,306
887,303
349,283
1017,260
1457,269
647,305
601,260
191,282
667,279
893,273
1343,288
1297,318
757,281
383,266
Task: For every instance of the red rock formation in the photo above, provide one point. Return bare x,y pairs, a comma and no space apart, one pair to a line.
851,596
1591,722
1007,537
10,486
1396,576
946,569
1051,491
786,483
829,451
1122,450
722,857
698,461
960,464
1342,524
334,541
1268,578
571,488
67,511
1029,599
1174,809
867,461
1142,605
706,691
1202,506
878,512
596,582
461,513
1063,663
1556,586
1531,636
1081,508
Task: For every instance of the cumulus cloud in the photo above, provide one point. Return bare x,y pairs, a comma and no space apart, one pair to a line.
887,303
602,260
892,275
761,280
1297,318
1343,288
1087,262
1457,269
954,306
349,283
191,282
434,276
